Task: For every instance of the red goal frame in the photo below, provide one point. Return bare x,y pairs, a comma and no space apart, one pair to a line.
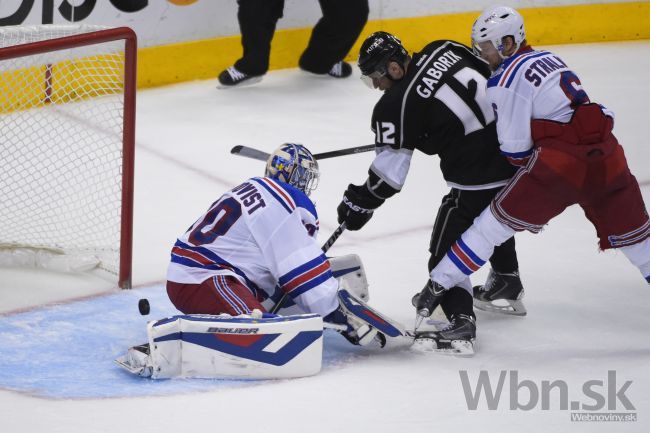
128,138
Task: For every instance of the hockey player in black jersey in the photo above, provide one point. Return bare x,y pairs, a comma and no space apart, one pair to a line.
435,102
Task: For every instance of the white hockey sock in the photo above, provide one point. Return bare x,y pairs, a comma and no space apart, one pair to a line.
472,250
639,255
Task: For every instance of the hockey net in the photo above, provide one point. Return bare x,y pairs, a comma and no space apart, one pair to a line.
67,101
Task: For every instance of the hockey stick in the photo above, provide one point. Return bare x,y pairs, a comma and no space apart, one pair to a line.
249,152
326,246
348,151
333,237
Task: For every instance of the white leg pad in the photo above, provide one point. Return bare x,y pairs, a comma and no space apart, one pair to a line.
222,346
349,272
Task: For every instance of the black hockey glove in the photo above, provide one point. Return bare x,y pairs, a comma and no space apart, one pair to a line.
357,207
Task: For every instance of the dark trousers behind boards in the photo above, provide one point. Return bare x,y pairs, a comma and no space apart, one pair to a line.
331,38
455,215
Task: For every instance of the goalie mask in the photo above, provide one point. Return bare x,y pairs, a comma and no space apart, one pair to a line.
294,164
493,25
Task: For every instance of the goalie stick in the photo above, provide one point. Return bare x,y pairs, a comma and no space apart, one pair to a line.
260,155
326,246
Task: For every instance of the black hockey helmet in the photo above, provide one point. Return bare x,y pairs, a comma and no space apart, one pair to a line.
379,49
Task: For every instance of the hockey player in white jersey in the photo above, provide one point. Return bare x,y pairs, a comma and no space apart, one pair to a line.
256,243
547,124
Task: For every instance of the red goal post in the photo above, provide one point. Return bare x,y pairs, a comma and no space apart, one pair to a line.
67,137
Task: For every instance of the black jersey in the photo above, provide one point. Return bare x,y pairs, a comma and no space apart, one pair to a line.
439,108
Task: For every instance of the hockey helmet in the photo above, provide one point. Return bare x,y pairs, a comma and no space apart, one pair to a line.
377,50
293,164
494,24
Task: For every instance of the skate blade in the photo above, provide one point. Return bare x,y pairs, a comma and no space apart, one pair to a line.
511,307
453,347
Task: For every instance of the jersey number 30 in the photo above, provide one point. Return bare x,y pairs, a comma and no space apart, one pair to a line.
216,222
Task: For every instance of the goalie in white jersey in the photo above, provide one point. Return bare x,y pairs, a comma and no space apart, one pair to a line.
564,145
256,243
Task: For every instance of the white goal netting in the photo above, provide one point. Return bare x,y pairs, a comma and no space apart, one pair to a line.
61,148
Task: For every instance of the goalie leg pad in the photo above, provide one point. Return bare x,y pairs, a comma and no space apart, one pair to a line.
363,312
351,275
223,346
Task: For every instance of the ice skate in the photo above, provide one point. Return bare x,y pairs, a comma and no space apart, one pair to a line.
426,301
457,338
501,293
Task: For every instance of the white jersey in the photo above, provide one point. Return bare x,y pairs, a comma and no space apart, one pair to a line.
262,232
531,85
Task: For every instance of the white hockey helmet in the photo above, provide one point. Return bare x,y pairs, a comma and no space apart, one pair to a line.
293,164
494,24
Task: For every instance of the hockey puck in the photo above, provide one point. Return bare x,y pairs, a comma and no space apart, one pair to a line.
143,306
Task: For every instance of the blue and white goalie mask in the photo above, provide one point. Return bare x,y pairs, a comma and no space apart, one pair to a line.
294,164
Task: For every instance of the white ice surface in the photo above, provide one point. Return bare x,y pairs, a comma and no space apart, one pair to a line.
588,311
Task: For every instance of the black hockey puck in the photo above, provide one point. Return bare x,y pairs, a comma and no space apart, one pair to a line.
143,306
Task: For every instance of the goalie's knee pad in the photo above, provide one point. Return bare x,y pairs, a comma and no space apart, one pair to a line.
351,275
245,346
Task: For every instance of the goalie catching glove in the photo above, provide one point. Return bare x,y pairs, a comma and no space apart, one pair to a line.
357,206
363,324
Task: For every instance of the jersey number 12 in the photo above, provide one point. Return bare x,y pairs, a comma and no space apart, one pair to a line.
468,100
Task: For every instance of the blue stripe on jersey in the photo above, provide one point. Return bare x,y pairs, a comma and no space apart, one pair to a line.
516,68
273,193
523,154
648,279
494,80
467,250
310,284
459,263
300,198
219,263
305,267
